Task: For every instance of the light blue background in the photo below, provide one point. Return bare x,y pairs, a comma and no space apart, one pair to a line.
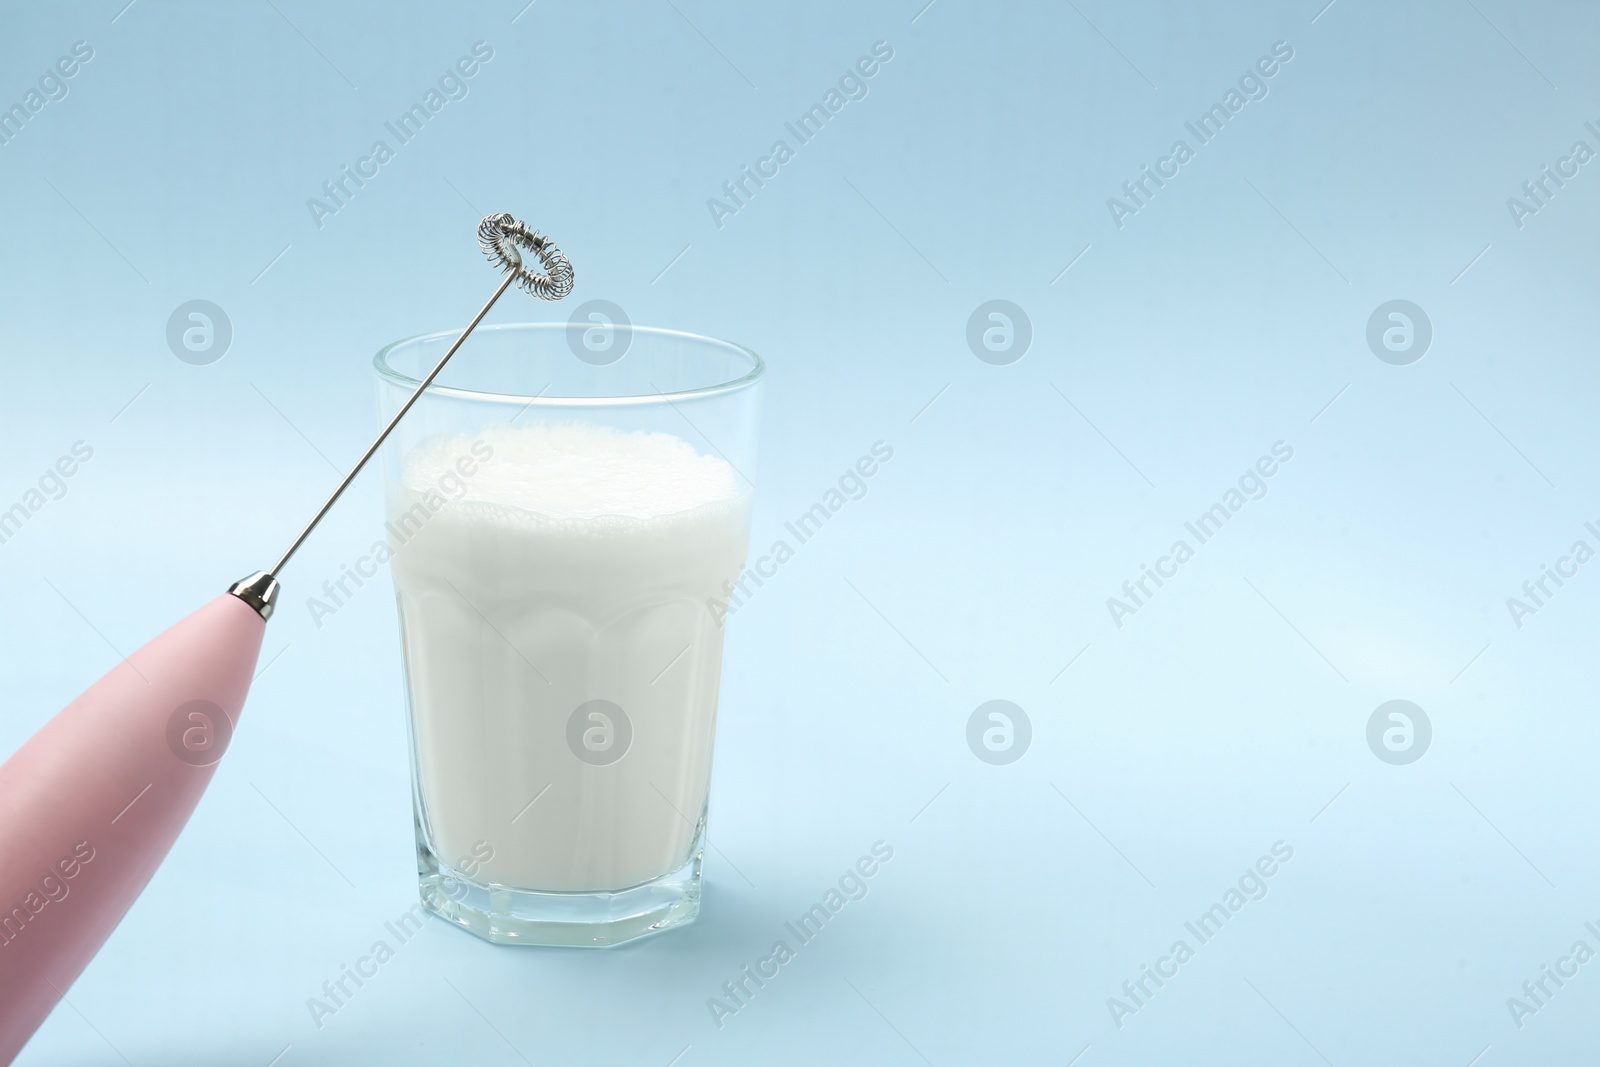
1173,752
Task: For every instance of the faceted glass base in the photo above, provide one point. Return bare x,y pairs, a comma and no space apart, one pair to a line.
599,919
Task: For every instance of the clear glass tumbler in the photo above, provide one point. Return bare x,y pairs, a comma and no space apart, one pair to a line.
567,511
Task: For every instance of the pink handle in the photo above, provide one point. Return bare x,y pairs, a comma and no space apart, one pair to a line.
91,804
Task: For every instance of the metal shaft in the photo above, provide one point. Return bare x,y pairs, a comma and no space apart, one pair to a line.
373,448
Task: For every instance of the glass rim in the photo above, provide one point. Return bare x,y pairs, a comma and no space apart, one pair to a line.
386,371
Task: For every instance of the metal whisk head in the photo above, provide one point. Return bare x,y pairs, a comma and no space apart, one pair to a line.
502,235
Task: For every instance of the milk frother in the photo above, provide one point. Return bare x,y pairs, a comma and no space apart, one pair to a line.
92,803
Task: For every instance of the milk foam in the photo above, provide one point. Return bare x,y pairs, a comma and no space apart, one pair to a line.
579,472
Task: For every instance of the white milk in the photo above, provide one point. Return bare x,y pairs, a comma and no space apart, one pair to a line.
574,564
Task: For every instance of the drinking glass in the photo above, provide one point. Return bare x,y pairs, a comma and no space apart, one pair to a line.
563,647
